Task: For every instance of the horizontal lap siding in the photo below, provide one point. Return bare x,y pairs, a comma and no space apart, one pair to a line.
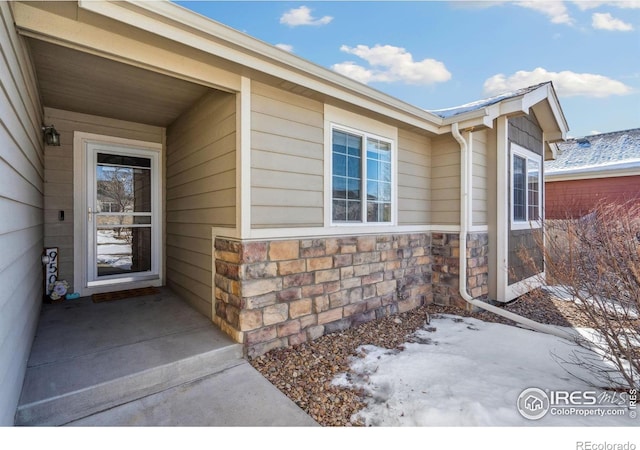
445,181
21,209
286,159
479,193
58,186
201,193
414,179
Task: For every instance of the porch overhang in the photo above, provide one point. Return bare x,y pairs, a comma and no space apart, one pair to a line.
217,56
81,82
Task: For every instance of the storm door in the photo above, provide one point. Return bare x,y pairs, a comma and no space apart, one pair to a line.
121,215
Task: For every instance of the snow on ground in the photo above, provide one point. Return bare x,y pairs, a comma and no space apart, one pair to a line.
109,236
466,372
613,307
113,251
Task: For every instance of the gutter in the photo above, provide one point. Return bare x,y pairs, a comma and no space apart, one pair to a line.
627,168
466,152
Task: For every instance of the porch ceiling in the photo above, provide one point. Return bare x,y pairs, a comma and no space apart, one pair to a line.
76,81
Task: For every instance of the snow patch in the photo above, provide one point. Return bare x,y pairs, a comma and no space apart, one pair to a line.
472,377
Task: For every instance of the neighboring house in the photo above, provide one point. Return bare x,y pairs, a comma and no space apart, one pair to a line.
597,168
279,198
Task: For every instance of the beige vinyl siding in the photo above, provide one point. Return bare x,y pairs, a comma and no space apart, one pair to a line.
479,192
414,178
21,209
58,187
445,181
286,159
201,193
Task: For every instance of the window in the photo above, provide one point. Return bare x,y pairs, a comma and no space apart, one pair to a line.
526,192
361,178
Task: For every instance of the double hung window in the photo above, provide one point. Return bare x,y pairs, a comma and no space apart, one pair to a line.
526,189
361,178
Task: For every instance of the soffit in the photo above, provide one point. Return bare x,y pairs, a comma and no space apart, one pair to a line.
72,80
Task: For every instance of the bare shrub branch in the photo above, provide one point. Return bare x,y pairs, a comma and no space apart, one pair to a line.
595,259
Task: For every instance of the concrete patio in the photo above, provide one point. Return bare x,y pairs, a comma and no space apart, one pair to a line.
143,361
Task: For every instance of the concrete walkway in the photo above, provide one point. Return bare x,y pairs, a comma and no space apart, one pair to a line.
143,361
238,396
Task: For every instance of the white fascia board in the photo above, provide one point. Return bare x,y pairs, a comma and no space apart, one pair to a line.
486,115
586,173
554,103
521,104
513,107
475,116
548,93
174,22
534,97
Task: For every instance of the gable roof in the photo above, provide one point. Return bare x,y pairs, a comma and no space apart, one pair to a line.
596,156
478,105
540,98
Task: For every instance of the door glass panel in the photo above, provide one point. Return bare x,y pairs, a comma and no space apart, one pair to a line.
123,215
123,250
123,189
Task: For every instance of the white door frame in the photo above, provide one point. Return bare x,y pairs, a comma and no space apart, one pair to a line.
81,146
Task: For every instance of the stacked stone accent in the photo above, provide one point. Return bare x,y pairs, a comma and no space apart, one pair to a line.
478,265
445,251
272,294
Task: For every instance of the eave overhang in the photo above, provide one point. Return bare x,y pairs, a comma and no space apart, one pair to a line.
543,101
180,25
174,22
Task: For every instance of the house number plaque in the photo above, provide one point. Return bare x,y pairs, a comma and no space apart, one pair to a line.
50,260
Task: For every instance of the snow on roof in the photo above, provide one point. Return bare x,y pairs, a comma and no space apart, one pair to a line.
480,104
613,150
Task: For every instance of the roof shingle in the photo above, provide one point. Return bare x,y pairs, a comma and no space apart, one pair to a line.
596,151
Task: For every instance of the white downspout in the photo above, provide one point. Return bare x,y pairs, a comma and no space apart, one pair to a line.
465,204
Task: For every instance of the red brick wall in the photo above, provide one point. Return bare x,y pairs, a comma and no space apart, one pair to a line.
575,198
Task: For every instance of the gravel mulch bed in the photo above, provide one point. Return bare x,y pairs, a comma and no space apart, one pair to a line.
304,372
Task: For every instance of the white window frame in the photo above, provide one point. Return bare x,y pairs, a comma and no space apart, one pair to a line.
364,135
527,155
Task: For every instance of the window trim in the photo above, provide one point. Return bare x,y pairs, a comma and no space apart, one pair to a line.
365,135
528,155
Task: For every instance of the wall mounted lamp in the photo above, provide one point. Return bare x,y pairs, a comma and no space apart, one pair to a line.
51,135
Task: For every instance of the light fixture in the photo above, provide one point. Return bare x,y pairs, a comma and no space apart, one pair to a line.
51,135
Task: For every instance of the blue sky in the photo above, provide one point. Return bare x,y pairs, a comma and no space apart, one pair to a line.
439,54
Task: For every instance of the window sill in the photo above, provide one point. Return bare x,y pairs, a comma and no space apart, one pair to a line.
526,225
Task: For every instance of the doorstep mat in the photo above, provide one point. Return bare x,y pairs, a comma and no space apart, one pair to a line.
119,295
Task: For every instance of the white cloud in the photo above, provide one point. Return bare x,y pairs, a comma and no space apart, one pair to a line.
285,47
605,21
555,10
566,83
590,4
388,64
302,16
595,132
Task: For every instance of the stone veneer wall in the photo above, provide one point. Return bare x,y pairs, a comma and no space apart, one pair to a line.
273,294
445,251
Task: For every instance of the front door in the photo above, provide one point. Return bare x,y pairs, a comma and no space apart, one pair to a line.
122,215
